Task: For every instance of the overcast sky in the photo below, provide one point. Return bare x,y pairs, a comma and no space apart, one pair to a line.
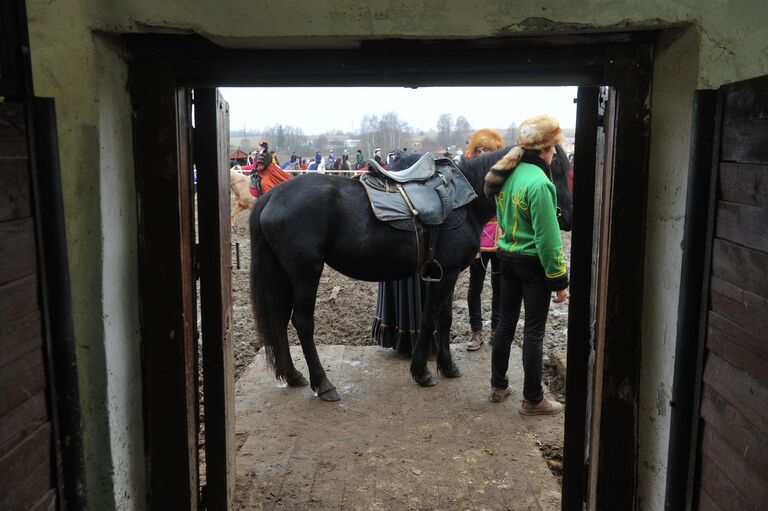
320,109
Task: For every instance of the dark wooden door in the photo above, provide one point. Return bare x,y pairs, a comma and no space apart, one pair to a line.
27,456
733,450
213,201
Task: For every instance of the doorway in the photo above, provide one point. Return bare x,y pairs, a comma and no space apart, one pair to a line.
165,63
388,440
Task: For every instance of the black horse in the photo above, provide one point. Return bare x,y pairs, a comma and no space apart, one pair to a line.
313,220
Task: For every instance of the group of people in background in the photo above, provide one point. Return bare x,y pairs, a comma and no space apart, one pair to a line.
522,246
317,162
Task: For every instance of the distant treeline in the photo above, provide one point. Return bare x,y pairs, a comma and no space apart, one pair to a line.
387,132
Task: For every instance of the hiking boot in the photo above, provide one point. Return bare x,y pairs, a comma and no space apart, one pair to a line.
475,341
499,395
546,406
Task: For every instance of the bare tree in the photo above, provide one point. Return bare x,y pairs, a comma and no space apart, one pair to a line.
461,132
395,134
368,136
444,129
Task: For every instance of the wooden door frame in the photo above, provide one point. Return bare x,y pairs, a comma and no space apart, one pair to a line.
212,163
161,64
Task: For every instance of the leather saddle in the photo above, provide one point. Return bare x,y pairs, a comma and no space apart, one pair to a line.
426,192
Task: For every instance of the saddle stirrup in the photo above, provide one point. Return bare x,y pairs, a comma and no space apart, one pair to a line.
432,271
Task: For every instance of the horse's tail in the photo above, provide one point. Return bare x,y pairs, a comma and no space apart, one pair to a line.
270,295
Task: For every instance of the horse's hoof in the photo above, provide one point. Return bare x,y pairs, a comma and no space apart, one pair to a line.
426,380
452,371
297,380
326,391
329,395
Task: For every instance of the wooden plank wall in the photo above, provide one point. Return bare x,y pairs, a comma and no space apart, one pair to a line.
26,449
734,406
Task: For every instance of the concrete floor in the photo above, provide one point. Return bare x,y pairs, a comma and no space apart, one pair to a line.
390,444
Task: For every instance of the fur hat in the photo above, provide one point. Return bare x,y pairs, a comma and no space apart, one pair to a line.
539,132
486,138
533,134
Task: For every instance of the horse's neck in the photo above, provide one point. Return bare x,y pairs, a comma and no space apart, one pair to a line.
483,208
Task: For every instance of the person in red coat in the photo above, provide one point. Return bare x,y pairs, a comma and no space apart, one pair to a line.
265,174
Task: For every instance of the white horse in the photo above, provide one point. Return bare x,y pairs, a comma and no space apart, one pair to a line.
238,183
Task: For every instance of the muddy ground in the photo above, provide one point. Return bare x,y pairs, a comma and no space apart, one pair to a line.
346,316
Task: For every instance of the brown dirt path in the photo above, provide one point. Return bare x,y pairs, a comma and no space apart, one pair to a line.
389,444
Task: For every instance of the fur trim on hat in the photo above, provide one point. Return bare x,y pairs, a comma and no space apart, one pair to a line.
486,138
499,173
539,132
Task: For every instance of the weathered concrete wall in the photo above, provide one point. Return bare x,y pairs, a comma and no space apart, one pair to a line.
85,74
119,276
673,84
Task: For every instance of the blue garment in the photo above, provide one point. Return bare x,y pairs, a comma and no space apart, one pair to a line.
318,158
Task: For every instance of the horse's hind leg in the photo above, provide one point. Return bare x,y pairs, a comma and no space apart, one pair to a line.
293,377
303,319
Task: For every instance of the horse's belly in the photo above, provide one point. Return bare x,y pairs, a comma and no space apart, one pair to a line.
372,271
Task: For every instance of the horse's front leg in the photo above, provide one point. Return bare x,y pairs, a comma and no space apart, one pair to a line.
445,364
438,293
420,353
304,295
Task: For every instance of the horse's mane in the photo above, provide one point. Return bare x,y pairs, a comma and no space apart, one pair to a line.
475,168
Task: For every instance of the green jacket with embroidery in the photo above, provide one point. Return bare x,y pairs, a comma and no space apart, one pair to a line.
526,208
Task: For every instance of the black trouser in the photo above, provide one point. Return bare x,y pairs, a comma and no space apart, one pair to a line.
522,280
477,271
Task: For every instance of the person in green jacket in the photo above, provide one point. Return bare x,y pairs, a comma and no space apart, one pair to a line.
530,255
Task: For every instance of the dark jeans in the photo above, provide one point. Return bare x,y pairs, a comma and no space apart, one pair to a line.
477,271
522,281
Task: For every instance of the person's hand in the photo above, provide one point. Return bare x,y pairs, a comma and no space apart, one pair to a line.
560,296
